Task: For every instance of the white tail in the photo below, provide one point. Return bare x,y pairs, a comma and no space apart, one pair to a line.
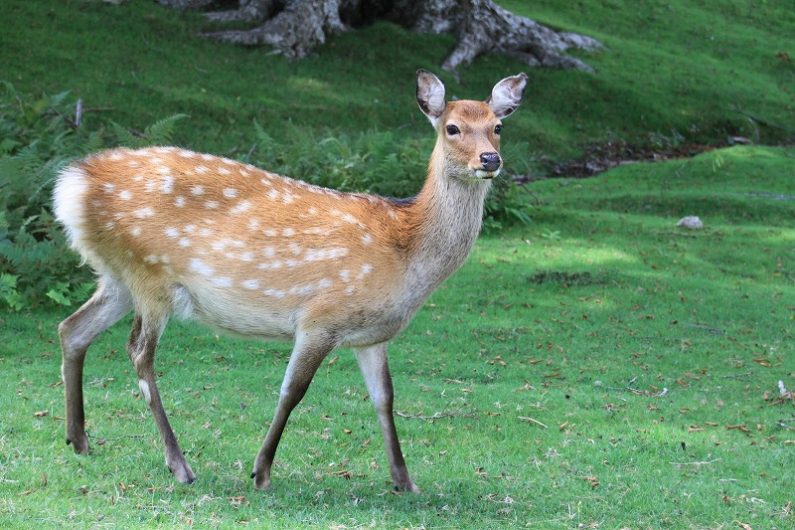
173,232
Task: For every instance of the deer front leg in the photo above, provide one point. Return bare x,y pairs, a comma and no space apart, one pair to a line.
109,303
141,347
373,363
308,352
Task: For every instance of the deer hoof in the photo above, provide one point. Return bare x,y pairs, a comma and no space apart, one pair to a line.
262,482
183,473
80,445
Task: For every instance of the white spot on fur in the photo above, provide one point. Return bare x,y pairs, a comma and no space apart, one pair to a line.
224,171
269,252
247,256
151,259
201,169
144,386
116,156
348,218
205,232
164,170
294,248
349,290
150,186
324,283
125,195
197,265
186,154
221,281
108,187
179,202
240,207
273,292
136,231
364,271
250,284
184,242
211,205
143,213
270,232
207,157
288,232
167,184
197,190
172,232
345,275
367,239
189,229
273,195
230,193
253,223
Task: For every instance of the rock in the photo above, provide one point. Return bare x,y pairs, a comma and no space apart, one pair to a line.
691,221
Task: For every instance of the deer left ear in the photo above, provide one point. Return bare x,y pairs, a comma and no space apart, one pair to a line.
507,94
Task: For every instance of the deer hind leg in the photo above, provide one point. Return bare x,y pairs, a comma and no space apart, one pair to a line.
308,352
109,303
373,364
145,334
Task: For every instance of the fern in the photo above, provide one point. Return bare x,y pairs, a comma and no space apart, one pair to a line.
162,131
35,267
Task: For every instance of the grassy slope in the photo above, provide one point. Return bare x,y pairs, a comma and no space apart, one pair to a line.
669,66
706,314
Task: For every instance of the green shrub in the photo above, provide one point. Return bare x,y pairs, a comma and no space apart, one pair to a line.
38,137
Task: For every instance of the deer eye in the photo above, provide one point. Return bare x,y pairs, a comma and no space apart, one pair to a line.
452,129
498,129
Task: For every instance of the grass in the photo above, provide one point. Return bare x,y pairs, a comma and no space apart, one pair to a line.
577,322
529,387
671,72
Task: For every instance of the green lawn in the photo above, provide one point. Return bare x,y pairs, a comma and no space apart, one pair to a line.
596,368
543,361
672,71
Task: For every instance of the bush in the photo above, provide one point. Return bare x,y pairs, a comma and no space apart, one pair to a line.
38,137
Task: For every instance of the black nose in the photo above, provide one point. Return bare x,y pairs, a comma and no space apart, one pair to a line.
490,161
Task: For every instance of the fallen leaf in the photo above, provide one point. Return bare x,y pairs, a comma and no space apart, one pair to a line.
592,481
40,414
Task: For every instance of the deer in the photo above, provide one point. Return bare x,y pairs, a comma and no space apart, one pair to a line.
171,233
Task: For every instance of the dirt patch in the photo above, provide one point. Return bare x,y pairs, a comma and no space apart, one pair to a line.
599,158
566,279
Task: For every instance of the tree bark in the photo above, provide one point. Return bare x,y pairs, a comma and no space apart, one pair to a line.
295,27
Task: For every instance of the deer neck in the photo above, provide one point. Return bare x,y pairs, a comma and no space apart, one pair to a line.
445,220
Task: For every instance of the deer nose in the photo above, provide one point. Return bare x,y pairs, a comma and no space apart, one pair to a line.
490,161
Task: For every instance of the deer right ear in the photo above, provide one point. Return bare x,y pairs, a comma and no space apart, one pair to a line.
430,95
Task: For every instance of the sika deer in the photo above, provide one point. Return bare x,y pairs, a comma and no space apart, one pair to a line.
173,232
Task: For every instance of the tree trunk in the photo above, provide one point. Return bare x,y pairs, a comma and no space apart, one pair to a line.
295,27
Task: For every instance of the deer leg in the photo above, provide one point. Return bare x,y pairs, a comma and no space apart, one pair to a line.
308,352
374,367
109,303
141,347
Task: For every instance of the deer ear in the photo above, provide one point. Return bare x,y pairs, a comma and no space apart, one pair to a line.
507,94
430,95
